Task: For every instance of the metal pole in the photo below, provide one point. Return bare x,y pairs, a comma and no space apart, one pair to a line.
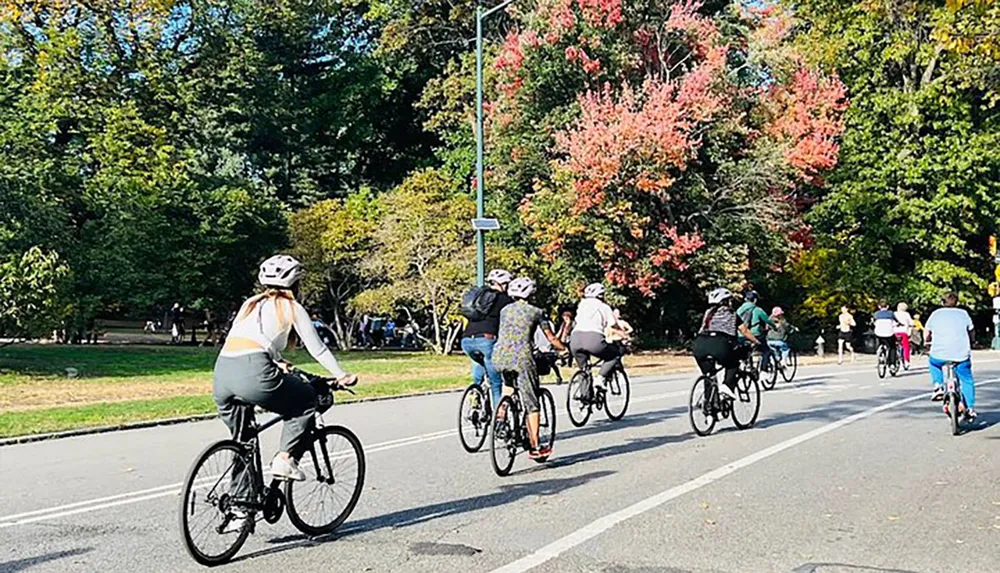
480,207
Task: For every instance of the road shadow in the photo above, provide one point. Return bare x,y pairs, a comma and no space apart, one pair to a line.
984,421
629,421
821,567
629,447
508,493
22,564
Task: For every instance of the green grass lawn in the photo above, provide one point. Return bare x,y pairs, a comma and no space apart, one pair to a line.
121,384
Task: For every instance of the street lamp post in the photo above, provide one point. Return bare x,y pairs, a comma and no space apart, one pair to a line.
480,200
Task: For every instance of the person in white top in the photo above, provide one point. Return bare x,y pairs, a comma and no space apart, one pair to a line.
594,320
903,329
251,370
949,331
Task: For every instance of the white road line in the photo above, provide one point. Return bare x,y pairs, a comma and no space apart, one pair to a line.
174,489
595,528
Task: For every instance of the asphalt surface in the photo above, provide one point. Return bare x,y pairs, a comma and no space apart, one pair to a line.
843,473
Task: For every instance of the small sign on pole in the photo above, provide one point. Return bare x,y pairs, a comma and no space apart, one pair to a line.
485,224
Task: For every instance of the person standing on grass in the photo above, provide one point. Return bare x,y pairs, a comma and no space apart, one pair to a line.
845,333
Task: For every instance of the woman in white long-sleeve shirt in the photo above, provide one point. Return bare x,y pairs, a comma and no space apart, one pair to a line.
250,368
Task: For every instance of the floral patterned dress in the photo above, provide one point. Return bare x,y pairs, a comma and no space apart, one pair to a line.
513,349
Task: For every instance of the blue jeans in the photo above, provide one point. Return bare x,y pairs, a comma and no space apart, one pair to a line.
485,347
780,346
964,372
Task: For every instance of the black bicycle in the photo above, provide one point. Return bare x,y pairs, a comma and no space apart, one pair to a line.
611,395
474,414
225,495
771,365
707,404
954,403
510,430
882,358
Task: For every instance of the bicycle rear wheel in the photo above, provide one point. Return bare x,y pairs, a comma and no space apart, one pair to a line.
953,413
617,394
768,370
882,367
335,477
217,485
503,445
746,407
700,410
546,419
473,418
578,404
791,367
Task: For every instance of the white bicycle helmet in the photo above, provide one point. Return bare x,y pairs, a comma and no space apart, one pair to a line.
280,271
595,290
499,277
522,287
719,295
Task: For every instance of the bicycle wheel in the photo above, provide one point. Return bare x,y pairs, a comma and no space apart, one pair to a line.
894,367
215,485
578,405
546,419
473,418
700,409
768,371
335,476
882,366
747,405
617,394
503,445
791,366
953,412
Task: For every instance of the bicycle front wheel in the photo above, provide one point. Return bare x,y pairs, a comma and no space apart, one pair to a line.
546,419
578,404
617,394
746,407
335,477
700,409
791,367
473,418
503,445
215,493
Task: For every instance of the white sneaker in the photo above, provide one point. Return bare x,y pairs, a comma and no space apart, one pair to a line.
237,522
727,391
286,469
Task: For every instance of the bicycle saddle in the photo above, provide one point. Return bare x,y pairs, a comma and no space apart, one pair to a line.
478,356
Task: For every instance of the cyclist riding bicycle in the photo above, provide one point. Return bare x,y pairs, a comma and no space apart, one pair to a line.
757,321
250,368
594,318
884,323
481,335
950,333
717,341
513,352
777,337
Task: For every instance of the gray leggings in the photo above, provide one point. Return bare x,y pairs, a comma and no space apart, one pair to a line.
586,344
256,379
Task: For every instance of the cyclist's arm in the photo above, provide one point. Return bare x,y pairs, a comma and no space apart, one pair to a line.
747,334
765,318
553,339
319,351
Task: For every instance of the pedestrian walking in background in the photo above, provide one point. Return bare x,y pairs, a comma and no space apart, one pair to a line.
845,334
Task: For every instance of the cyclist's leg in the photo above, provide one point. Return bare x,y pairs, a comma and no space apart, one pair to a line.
295,401
470,346
937,373
494,376
964,372
527,384
903,340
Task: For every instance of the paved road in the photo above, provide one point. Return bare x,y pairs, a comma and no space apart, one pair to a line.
844,473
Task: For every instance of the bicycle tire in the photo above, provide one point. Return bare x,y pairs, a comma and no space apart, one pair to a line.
789,371
751,388
546,420
953,413
894,368
699,407
881,366
298,514
768,378
578,410
187,502
617,386
476,418
504,437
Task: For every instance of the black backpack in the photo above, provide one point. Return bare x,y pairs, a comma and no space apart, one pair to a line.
478,302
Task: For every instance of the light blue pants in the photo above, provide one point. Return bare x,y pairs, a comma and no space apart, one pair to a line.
780,346
484,346
964,372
